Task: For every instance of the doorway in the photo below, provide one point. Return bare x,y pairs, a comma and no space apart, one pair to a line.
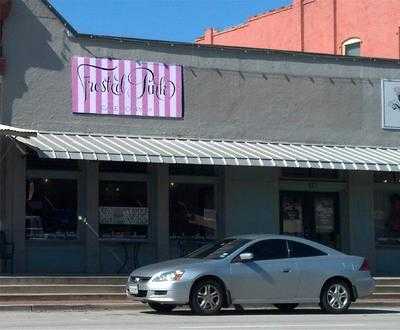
312,215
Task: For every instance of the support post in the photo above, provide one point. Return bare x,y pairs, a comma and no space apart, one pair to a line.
159,194
90,189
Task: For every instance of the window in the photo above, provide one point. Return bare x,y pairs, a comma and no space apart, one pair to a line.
352,47
192,211
268,250
300,250
218,250
123,211
387,177
51,209
309,173
387,217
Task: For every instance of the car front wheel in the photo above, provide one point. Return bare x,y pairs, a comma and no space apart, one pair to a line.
206,297
162,308
335,297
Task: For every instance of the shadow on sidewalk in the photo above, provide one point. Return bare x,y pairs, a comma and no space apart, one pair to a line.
267,311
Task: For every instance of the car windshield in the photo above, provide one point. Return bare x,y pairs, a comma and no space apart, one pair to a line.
219,249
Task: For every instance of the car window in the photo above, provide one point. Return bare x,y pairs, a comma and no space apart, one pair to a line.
218,250
268,250
300,250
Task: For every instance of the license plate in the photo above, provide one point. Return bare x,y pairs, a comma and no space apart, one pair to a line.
133,289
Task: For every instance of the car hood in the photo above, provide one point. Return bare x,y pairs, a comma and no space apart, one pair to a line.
170,265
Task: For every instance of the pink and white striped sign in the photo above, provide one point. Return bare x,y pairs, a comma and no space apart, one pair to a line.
123,87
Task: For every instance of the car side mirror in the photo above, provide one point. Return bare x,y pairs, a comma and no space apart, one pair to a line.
246,256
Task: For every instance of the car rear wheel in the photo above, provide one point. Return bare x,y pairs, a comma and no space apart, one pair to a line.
206,297
162,308
335,297
286,307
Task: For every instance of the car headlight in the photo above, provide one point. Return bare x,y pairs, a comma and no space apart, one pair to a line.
169,276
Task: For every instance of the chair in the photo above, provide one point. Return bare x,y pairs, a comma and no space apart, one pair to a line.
6,252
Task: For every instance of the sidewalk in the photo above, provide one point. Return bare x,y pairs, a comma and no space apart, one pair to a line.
81,305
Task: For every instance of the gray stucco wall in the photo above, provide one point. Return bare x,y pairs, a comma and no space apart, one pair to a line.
253,95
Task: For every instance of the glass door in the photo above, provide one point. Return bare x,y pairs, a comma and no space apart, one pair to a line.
312,215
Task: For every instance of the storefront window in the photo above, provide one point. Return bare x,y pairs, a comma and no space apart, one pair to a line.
123,210
309,173
51,209
387,217
192,211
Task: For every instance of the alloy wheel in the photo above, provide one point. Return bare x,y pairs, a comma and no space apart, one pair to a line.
208,297
338,296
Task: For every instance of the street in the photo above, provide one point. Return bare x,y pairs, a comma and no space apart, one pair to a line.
356,318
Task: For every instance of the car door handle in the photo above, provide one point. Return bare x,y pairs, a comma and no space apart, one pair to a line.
286,270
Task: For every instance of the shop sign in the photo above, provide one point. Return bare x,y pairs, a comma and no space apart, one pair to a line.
126,88
391,104
124,216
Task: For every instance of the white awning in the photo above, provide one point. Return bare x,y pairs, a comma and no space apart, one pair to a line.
212,152
14,131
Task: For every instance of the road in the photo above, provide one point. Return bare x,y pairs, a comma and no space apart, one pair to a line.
182,319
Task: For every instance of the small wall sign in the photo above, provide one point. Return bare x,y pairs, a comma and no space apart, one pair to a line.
126,88
390,104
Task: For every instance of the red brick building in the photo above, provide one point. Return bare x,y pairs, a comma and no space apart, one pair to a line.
353,27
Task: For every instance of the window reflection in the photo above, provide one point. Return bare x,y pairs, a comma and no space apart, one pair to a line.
192,210
123,211
51,209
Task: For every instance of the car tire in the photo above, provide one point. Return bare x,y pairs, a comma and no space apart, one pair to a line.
286,307
161,308
335,297
206,297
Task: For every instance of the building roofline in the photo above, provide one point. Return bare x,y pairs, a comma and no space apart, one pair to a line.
217,48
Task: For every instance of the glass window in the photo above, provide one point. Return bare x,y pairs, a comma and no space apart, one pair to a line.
218,250
192,211
197,170
309,173
123,211
387,217
123,167
387,177
352,47
300,250
51,209
268,250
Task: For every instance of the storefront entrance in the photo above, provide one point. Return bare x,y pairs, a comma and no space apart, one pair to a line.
312,215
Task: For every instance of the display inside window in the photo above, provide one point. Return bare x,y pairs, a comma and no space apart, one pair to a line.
192,210
312,215
51,209
292,215
387,218
123,210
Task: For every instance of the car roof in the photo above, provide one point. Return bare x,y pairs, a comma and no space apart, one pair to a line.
259,237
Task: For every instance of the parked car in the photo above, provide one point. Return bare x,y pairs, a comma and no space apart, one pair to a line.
254,269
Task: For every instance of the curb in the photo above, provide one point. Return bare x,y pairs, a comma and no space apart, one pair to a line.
139,306
70,307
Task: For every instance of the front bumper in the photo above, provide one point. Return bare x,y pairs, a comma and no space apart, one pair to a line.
176,293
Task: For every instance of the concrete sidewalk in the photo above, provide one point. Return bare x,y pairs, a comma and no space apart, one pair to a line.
44,306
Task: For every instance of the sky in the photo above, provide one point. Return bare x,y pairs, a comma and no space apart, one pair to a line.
173,20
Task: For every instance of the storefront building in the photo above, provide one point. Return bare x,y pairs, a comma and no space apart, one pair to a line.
142,150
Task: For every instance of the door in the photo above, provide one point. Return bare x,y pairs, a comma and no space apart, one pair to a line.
270,277
312,215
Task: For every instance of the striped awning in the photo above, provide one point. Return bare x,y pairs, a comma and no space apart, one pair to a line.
211,152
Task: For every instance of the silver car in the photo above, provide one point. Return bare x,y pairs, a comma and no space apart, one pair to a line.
254,269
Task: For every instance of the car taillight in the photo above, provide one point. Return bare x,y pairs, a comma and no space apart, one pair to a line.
364,266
